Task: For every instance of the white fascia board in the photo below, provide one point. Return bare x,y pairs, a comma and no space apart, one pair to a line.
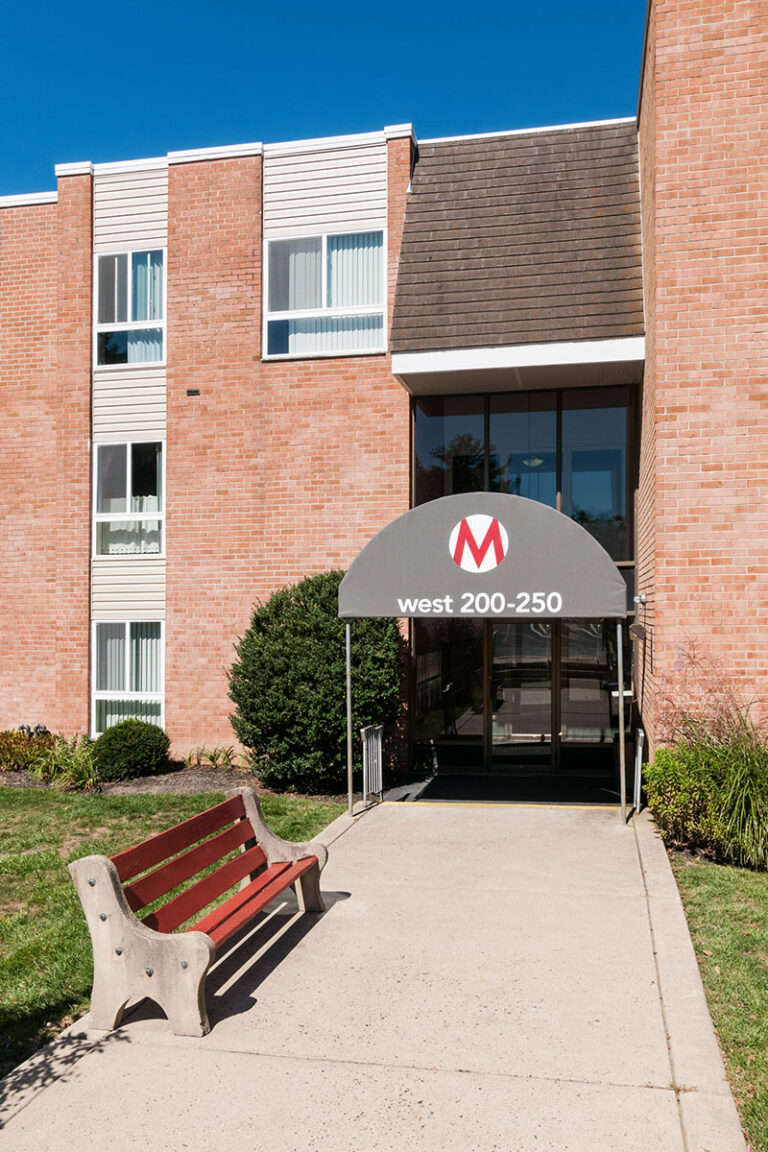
25,199
76,168
530,131
224,152
113,168
324,143
521,356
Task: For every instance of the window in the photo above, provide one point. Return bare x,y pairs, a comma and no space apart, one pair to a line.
127,673
130,310
325,295
129,499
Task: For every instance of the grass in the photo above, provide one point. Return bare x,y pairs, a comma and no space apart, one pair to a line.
727,911
45,954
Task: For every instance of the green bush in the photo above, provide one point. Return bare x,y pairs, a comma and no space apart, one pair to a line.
68,764
710,790
20,750
130,749
288,685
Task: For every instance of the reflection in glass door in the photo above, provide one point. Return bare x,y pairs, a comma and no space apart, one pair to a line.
450,687
588,695
520,706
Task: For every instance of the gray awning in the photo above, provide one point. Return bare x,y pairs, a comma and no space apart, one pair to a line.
483,554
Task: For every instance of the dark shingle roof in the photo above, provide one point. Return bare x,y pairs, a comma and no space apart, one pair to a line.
522,239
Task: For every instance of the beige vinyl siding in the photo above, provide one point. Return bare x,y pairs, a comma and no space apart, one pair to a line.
131,588
336,190
130,209
129,402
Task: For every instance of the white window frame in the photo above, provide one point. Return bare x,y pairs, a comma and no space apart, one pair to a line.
100,517
324,313
129,325
146,697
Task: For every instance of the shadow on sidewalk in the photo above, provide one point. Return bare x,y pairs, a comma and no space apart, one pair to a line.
51,1063
248,960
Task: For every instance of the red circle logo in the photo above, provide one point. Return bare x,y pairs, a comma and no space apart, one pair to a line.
478,543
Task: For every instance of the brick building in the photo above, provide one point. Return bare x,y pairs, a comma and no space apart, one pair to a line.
224,369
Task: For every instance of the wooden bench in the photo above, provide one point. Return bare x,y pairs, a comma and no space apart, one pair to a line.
135,955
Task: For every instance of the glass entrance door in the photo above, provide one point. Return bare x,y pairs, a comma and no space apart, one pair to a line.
519,713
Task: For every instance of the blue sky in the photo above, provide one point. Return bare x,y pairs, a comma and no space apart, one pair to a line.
105,81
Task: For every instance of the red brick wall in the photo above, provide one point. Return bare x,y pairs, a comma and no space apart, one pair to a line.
710,352
45,311
276,470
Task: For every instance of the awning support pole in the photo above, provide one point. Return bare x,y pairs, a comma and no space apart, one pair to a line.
622,749
348,636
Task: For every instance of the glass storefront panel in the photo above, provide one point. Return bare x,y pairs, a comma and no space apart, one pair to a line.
449,446
522,452
594,465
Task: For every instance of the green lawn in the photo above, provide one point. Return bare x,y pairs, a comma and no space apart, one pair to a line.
727,911
45,954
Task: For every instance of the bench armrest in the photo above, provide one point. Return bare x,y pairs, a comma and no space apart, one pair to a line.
131,961
275,848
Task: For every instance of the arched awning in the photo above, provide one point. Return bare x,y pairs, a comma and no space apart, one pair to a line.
485,554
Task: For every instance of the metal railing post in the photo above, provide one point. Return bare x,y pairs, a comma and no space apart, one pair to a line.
622,748
350,799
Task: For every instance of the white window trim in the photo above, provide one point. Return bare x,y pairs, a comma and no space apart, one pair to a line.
326,313
100,517
129,325
149,697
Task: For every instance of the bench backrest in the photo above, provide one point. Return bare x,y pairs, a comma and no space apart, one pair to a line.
167,860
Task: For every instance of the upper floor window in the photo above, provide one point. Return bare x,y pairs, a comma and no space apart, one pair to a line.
130,310
129,499
325,295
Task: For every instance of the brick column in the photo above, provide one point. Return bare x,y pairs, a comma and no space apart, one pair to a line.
216,496
28,464
708,359
71,534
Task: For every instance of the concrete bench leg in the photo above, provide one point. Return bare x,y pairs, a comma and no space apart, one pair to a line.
308,892
131,961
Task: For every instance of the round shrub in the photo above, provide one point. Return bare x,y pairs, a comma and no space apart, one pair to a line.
130,749
288,685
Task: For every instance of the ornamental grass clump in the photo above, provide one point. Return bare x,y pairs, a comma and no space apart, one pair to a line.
288,686
67,764
709,789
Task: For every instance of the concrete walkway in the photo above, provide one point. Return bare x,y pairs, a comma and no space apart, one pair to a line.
486,978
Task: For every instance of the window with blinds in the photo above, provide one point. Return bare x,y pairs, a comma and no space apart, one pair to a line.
325,295
127,673
130,308
128,499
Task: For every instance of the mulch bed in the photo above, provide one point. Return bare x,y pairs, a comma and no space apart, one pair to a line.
180,780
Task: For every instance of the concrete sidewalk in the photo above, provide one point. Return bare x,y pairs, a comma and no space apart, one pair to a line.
486,978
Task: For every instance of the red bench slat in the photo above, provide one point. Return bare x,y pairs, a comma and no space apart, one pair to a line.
217,915
158,848
192,899
168,876
222,927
